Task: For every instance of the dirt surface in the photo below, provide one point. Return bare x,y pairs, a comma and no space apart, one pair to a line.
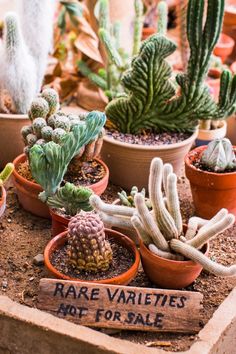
23,236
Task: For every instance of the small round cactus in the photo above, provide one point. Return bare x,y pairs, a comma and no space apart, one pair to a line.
62,122
37,125
31,139
52,98
88,249
57,134
40,142
26,130
51,121
39,108
46,133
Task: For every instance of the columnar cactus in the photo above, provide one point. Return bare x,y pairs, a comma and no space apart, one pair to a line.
72,199
219,156
152,101
161,229
88,249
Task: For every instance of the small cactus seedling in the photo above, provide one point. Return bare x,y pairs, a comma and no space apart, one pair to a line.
71,198
88,249
161,229
219,156
128,200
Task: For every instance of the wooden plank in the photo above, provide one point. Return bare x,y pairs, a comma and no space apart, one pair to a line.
124,307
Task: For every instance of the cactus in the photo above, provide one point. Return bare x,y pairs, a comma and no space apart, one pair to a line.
18,70
155,227
138,26
39,108
162,10
71,198
128,200
88,249
219,156
52,98
153,102
6,172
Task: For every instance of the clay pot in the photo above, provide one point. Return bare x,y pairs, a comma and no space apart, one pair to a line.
122,279
129,164
3,197
207,135
167,273
233,67
28,192
224,47
231,129
11,143
147,32
211,191
59,223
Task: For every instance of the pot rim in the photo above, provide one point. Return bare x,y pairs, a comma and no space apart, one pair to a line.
192,137
171,261
3,195
225,41
196,152
13,116
222,127
23,157
49,248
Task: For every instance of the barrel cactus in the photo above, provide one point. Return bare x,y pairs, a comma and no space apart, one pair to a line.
88,250
219,156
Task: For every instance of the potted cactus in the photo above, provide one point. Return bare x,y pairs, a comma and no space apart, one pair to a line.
211,171
91,253
4,175
58,147
153,118
23,60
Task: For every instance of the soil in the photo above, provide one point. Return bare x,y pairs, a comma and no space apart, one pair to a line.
23,236
198,164
122,260
148,138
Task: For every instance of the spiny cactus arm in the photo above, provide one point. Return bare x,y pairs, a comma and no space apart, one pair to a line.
124,198
94,78
163,218
110,47
227,96
197,256
167,169
213,230
194,224
163,254
138,26
6,172
103,15
162,11
116,221
149,224
218,217
116,33
137,224
173,202
110,209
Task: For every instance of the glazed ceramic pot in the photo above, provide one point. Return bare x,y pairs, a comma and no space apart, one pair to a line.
28,192
3,197
167,273
207,135
129,164
122,279
210,191
224,47
11,143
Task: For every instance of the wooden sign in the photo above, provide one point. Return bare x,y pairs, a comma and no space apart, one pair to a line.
124,307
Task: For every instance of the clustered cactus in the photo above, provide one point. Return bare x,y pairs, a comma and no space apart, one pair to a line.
162,228
128,200
72,199
153,103
88,249
219,156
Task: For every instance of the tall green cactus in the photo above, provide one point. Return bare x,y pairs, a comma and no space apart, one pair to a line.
153,103
49,162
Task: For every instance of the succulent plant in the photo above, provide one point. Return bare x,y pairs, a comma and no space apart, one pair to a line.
128,200
153,103
219,156
71,198
161,229
6,172
88,249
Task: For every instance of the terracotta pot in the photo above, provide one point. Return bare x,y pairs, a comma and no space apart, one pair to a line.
207,135
231,129
233,67
129,164
3,197
122,279
224,47
147,32
28,192
167,273
211,191
229,25
11,143
59,223
214,87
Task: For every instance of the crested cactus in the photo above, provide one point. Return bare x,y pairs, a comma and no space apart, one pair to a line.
155,227
153,103
88,250
71,198
219,156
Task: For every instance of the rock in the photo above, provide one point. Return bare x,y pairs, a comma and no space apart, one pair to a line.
4,285
38,260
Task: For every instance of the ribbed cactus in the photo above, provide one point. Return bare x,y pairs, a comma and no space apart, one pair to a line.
156,228
88,249
219,156
71,198
6,173
153,102
18,69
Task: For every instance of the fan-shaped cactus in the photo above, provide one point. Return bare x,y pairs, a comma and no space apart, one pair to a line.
88,249
71,198
219,156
